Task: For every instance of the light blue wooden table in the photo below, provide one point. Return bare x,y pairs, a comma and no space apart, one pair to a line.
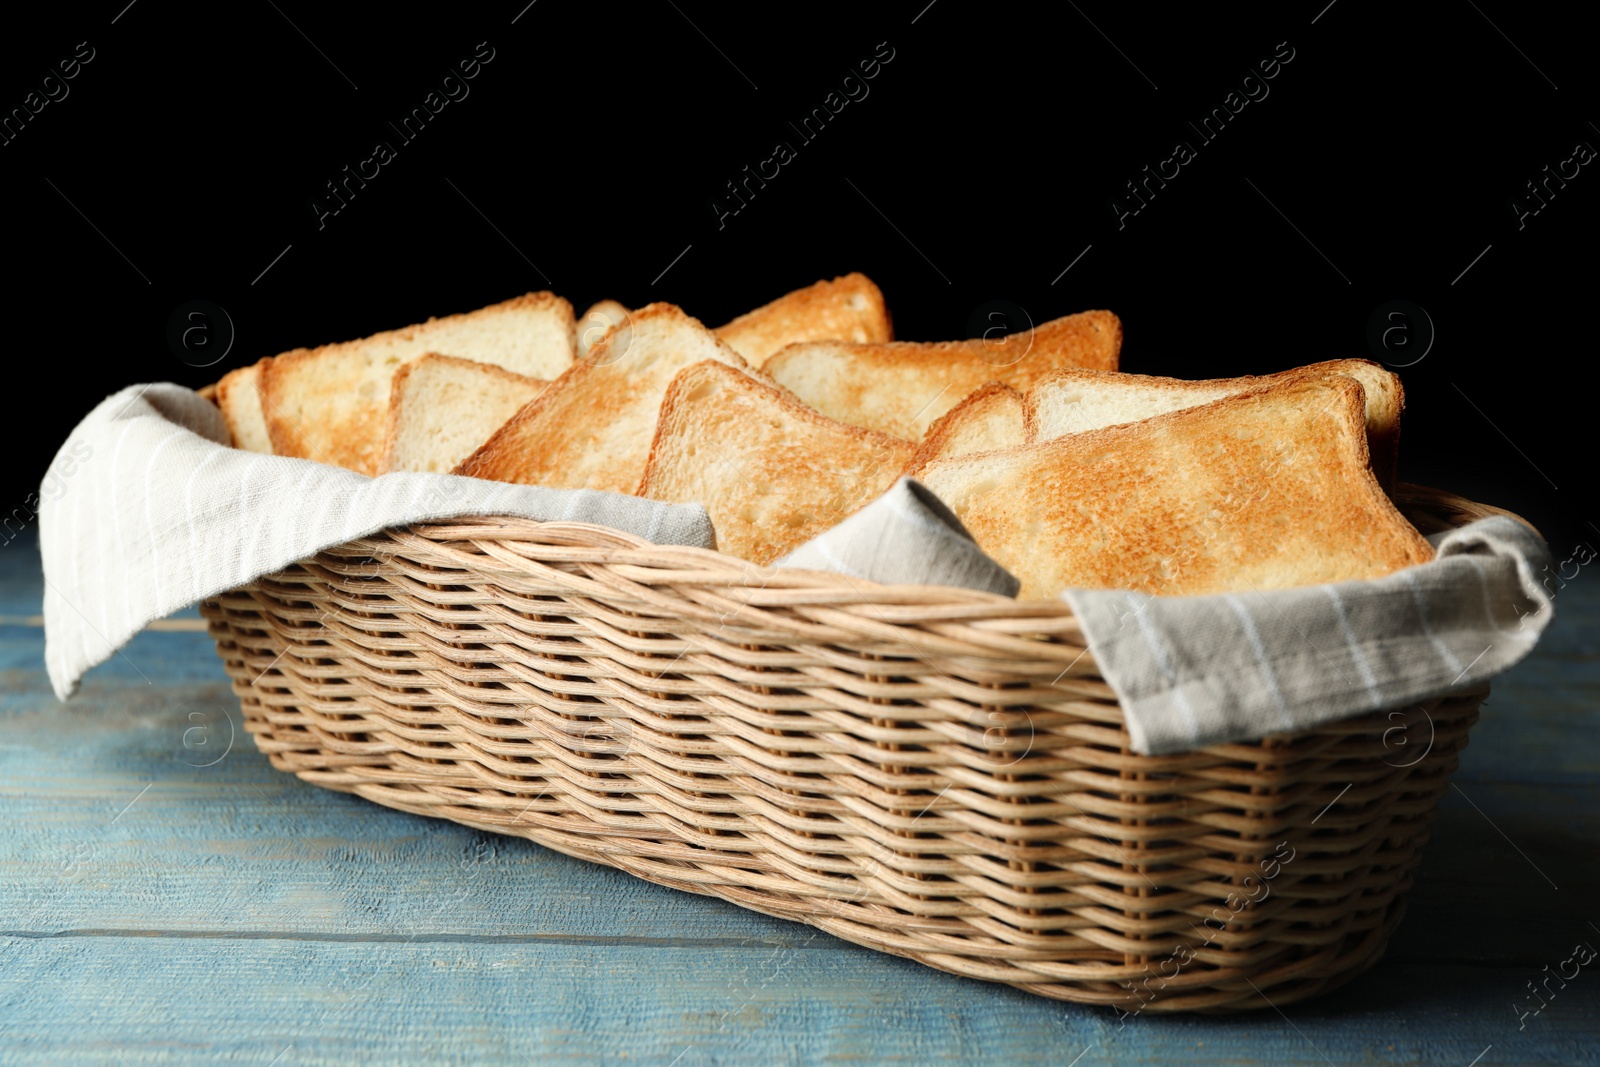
167,897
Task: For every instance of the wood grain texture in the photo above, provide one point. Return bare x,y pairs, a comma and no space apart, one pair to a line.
154,909
187,1000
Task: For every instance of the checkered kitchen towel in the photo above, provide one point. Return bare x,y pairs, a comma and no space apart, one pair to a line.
146,510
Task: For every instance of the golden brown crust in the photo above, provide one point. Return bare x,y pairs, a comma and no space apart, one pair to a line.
771,472
489,370
902,387
1384,395
1270,488
496,459
592,427
848,308
284,428
341,419
1090,339
398,393
243,408
990,417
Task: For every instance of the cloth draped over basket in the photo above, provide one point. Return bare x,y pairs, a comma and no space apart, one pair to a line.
147,510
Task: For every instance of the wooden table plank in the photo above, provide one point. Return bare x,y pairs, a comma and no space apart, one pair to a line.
118,816
149,1000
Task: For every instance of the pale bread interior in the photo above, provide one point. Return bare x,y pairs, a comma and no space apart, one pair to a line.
331,403
596,322
239,400
442,408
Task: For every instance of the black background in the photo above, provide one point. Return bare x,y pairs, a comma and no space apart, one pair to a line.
981,164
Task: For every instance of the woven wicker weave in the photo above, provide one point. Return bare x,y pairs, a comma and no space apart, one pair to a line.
936,773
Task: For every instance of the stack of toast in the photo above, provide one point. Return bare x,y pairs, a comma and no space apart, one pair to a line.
788,419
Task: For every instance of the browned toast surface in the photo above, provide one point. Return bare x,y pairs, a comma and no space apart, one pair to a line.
591,429
989,418
1263,490
902,387
849,308
1073,401
771,472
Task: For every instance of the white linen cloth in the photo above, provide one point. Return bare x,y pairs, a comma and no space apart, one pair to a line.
1201,670
905,537
146,510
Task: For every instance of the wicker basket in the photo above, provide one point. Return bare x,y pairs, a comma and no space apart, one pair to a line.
937,773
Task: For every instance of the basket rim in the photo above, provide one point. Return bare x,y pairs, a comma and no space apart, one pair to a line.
1440,509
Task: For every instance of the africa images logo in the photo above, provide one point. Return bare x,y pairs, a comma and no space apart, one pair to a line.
852,87
1252,87
452,88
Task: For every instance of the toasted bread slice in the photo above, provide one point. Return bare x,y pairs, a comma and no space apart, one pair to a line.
989,419
1089,339
846,309
771,472
239,399
1263,490
597,322
901,387
331,403
1075,401
442,408
591,429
